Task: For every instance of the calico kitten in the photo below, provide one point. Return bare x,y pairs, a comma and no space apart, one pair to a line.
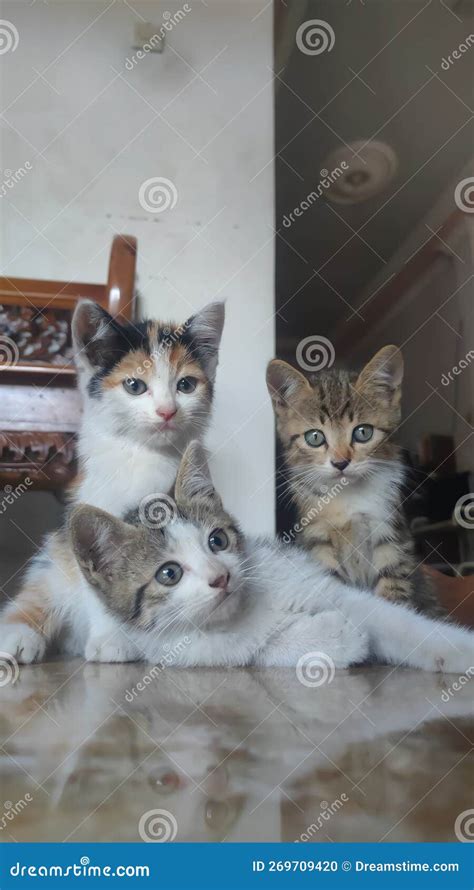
198,591
147,390
345,474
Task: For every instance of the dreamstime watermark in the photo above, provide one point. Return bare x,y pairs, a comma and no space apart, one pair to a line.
157,194
9,670
157,510
324,499
464,195
10,494
9,37
327,179
12,810
169,658
458,369
327,810
156,41
464,827
157,827
464,511
315,353
81,869
168,339
9,352
12,177
458,53
314,37
458,684
315,669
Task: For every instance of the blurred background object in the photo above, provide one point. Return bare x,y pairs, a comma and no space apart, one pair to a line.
375,226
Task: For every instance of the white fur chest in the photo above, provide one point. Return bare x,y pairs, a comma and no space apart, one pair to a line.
117,478
355,520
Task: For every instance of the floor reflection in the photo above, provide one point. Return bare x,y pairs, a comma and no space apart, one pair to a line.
378,754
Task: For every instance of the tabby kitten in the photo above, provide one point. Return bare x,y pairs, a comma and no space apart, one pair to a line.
345,474
147,390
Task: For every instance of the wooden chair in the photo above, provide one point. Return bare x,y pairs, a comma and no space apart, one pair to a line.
456,595
39,404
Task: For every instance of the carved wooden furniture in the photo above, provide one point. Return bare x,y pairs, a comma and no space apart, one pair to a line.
39,404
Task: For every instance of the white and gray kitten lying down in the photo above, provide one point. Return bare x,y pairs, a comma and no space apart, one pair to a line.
199,592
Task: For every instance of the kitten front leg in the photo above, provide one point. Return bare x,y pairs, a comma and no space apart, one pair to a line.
322,550
27,625
21,641
329,634
110,644
395,588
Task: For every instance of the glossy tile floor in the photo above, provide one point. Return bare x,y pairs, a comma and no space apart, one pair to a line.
376,754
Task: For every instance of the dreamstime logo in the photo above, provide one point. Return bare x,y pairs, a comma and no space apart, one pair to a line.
464,194
315,669
11,810
458,684
325,498
157,510
464,511
169,338
315,37
9,352
9,37
10,494
457,369
169,657
157,194
328,178
157,827
12,177
9,670
156,43
464,827
315,353
457,53
327,810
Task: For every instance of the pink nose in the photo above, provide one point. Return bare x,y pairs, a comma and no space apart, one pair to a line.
166,413
221,582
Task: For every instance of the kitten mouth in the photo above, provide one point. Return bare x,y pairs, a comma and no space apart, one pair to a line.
221,598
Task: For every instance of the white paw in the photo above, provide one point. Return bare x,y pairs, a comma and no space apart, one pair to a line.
22,642
108,649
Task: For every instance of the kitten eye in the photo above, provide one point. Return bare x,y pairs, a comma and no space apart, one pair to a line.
315,438
134,386
218,540
169,574
363,433
187,384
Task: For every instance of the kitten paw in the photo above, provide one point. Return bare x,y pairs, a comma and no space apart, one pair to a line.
22,642
109,649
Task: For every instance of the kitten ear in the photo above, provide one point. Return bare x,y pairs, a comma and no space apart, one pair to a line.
97,337
384,370
194,479
283,383
205,329
100,543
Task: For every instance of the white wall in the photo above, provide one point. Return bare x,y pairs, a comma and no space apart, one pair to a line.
96,131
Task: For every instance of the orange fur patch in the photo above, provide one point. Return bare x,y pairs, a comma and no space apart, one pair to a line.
142,365
134,364
29,611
